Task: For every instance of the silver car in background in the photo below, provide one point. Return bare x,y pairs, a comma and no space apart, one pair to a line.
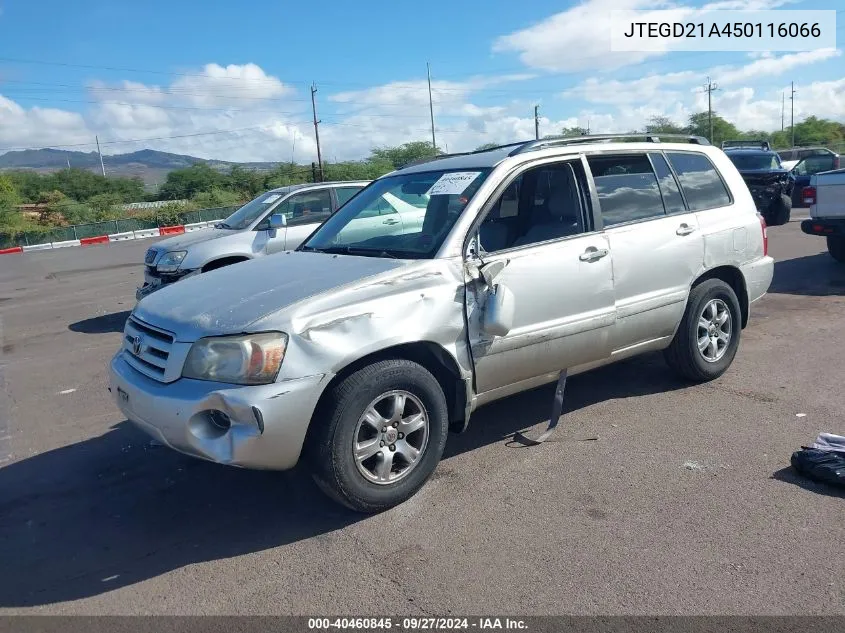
362,349
275,221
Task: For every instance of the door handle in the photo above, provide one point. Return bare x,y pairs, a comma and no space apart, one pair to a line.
593,254
685,229
391,221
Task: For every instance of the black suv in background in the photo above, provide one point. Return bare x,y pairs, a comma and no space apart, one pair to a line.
770,184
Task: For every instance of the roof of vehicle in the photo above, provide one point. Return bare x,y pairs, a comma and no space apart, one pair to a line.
486,159
748,150
330,183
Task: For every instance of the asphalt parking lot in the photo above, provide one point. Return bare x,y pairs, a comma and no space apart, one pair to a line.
654,497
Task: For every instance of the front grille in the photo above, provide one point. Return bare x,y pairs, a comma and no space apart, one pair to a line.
150,256
147,348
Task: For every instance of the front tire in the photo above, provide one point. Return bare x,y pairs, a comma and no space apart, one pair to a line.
382,434
708,336
836,247
780,211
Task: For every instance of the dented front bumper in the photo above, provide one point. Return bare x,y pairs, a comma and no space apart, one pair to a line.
261,426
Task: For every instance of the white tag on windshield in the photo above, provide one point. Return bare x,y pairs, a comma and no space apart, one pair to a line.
452,183
271,199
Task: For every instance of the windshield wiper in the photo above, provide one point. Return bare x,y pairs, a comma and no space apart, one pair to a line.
351,250
222,225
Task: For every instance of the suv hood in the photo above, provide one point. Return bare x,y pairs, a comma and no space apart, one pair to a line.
181,242
228,300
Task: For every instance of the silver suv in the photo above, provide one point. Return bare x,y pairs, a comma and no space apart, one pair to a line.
276,220
360,350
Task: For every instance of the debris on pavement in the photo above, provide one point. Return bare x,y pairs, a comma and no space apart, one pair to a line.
824,461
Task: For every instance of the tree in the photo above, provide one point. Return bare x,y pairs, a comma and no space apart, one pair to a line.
403,154
184,183
663,125
50,213
105,206
217,197
723,130
9,198
574,131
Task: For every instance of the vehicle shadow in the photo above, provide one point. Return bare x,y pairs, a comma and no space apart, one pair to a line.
115,510
103,324
788,475
813,275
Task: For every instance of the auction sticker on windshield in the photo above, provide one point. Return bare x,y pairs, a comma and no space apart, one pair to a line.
453,183
271,199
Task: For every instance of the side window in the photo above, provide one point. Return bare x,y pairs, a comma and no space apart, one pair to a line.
815,164
307,207
672,199
544,203
702,186
344,194
627,188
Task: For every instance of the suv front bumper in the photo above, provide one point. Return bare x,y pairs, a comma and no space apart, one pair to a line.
266,423
824,226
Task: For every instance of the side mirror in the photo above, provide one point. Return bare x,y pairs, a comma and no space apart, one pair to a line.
498,313
278,221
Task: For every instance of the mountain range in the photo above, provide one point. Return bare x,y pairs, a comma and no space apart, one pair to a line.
150,165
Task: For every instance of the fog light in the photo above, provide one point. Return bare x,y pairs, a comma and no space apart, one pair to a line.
220,420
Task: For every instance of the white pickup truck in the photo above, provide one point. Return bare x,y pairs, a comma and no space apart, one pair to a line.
826,198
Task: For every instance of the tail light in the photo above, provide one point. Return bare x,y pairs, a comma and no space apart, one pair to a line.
765,235
808,195
836,162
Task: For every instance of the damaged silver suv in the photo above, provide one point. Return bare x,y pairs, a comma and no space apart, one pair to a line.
359,351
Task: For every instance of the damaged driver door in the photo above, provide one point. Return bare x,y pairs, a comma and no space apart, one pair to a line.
541,297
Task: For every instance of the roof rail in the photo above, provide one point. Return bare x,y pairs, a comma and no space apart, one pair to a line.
428,159
592,138
759,144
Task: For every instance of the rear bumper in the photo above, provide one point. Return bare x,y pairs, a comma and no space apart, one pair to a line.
758,277
824,226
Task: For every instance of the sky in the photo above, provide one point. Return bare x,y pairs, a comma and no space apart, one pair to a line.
232,81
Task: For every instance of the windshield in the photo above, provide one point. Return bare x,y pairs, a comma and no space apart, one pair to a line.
406,215
251,211
751,162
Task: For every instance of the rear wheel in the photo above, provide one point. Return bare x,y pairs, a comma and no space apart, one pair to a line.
779,212
836,247
708,337
382,433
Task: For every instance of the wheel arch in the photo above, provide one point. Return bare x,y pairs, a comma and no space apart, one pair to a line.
432,356
732,276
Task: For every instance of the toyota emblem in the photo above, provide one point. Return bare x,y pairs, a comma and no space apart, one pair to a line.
136,345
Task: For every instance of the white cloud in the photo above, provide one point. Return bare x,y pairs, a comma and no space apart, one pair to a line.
578,39
20,127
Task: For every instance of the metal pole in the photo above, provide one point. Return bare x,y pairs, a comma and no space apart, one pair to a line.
102,166
316,129
782,109
792,113
431,109
709,109
537,122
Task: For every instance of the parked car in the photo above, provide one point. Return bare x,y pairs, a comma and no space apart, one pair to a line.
825,195
359,351
770,184
790,157
806,168
274,221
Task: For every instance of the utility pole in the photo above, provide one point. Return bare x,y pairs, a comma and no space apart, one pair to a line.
588,127
431,109
782,109
792,113
102,166
316,129
710,88
537,122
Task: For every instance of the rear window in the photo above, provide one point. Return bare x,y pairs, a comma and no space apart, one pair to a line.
702,186
751,161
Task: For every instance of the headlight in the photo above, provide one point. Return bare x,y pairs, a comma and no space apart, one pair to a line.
251,359
169,263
